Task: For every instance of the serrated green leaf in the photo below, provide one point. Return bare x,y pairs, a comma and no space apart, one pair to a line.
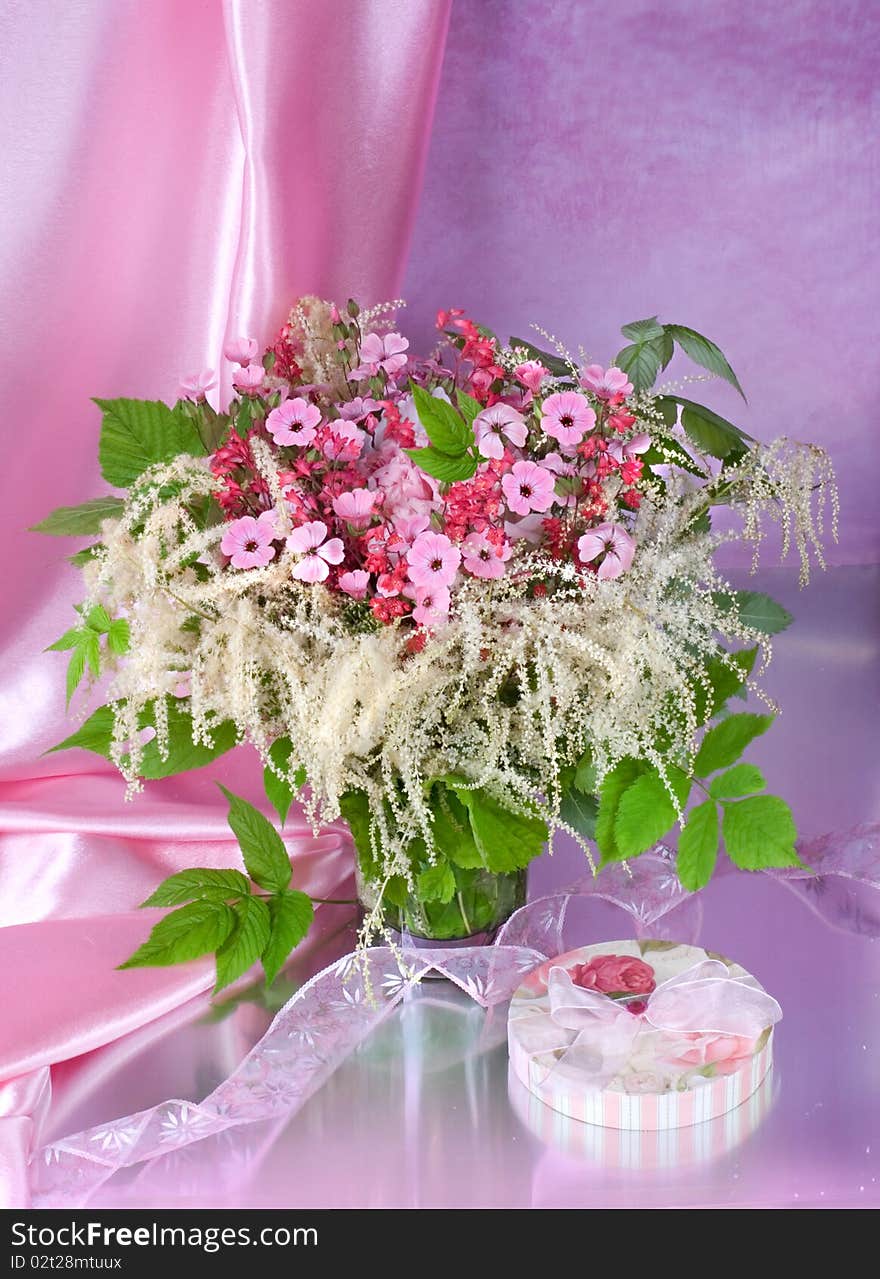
355,808
552,363
579,811
279,792
76,668
669,453
507,841
437,883
444,467
725,680
754,609
645,812
265,857
118,636
468,406
760,832
184,754
451,828
712,434
703,352
291,914
86,555
445,428
246,943
584,778
70,639
642,330
641,362
91,646
725,742
613,786
135,434
79,521
698,846
95,735
188,933
742,779
98,619
200,883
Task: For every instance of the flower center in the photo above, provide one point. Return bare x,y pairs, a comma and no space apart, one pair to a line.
251,546
436,565
567,420
525,490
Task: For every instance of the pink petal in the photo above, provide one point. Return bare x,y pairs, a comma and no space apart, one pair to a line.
311,569
333,551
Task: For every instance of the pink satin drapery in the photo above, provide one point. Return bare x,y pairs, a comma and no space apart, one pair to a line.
177,172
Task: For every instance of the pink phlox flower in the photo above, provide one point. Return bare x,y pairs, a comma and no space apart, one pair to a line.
410,526
485,558
294,422
308,541
627,451
249,379
499,421
355,583
605,383
613,543
531,374
355,506
195,386
248,540
358,408
380,351
528,487
432,605
344,441
241,350
566,416
433,560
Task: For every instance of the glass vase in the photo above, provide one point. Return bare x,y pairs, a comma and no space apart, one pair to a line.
482,902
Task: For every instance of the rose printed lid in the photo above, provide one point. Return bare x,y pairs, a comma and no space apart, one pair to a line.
648,1034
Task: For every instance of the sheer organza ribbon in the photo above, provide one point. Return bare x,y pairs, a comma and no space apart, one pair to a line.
598,1034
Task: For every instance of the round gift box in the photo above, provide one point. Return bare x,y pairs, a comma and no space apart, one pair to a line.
654,1089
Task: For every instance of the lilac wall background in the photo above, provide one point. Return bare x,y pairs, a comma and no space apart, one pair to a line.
713,161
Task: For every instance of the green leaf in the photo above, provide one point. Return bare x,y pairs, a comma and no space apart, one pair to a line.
712,434
91,646
723,744
355,808
642,362
76,668
118,636
265,857
698,846
579,811
742,779
645,812
95,735
184,754
613,786
436,884
642,330
468,406
754,609
760,832
670,453
99,619
446,429
200,883
725,678
291,914
70,639
246,943
704,353
451,828
136,434
585,775
185,934
552,363
85,556
78,521
444,467
507,841
279,792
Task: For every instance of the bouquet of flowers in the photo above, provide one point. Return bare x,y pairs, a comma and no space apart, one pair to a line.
464,602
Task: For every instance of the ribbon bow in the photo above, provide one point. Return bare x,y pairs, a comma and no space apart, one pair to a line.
599,1033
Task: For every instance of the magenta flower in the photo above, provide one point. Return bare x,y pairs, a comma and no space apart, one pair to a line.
356,506
294,422
355,583
433,560
631,449
249,380
378,352
567,417
531,375
483,558
248,541
432,605
357,409
241,350
308,541
195,386
495,425
528,487
606,383
344,443
613,543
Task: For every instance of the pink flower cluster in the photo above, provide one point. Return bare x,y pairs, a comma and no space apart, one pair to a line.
554,464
